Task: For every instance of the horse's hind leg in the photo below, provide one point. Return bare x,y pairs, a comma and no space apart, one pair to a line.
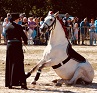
60,82
78,74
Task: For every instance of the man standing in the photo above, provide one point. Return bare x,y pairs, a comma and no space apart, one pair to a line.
67,24
14,70
65,18
84,27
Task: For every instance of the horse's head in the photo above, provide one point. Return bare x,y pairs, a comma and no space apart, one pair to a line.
49,22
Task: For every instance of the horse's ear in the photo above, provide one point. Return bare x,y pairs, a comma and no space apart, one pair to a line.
56,14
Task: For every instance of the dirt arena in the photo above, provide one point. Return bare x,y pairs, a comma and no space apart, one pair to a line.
44,85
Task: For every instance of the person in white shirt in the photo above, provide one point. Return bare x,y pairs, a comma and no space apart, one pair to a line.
76,29
5,24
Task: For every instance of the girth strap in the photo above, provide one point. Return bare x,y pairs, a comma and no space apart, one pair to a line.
59,65
72,54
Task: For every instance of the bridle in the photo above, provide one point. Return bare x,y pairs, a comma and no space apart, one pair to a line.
49,28
52,26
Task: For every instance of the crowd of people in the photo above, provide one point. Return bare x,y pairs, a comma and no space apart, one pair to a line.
30,26
80,30
77,31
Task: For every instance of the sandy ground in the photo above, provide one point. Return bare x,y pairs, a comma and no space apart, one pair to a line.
44,85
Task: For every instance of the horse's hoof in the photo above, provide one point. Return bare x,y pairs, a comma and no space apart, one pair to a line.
34,83
27,75
59,84
55,81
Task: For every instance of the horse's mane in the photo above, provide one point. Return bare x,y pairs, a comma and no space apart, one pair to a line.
63,26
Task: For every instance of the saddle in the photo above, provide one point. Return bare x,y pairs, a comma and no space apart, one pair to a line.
74,55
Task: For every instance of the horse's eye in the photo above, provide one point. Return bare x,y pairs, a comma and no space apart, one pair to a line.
51,20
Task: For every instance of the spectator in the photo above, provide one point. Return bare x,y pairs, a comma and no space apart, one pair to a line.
31,25
41,21
9,16
76,29
5,24
84,27
76,20
21,19
95,35
69,29
65,18
25,25
36,20
67,24
1,28
92,31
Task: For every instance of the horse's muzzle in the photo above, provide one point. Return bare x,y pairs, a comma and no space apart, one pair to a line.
43,29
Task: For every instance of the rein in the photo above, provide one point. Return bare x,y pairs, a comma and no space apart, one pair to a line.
53,24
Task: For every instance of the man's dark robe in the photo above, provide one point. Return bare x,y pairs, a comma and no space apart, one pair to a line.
14,70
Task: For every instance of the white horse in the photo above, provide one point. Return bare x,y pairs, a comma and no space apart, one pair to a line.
59,55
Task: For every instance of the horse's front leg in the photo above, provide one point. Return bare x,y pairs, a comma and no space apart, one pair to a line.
38,74
46,64
34,68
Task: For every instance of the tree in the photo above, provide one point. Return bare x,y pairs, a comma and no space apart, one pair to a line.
80,8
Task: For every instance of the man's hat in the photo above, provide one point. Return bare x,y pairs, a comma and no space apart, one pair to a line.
15,16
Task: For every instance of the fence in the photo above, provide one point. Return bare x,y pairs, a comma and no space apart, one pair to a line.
70,30
86,33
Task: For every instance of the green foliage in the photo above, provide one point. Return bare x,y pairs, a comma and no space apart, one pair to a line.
79,8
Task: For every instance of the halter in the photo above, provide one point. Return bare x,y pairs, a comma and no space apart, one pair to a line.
54,23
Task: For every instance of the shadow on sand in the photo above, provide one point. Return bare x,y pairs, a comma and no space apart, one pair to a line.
92,86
